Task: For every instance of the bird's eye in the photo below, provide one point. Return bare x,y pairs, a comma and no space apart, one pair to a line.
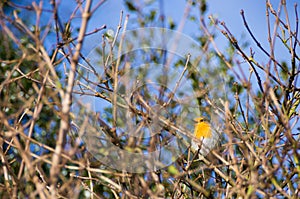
199,120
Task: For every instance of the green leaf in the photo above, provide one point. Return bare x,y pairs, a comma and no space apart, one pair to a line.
130,6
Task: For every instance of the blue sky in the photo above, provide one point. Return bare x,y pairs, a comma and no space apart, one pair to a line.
227,11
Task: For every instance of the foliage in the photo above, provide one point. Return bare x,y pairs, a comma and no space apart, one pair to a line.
51,141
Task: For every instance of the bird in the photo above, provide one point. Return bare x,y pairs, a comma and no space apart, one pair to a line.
207,138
